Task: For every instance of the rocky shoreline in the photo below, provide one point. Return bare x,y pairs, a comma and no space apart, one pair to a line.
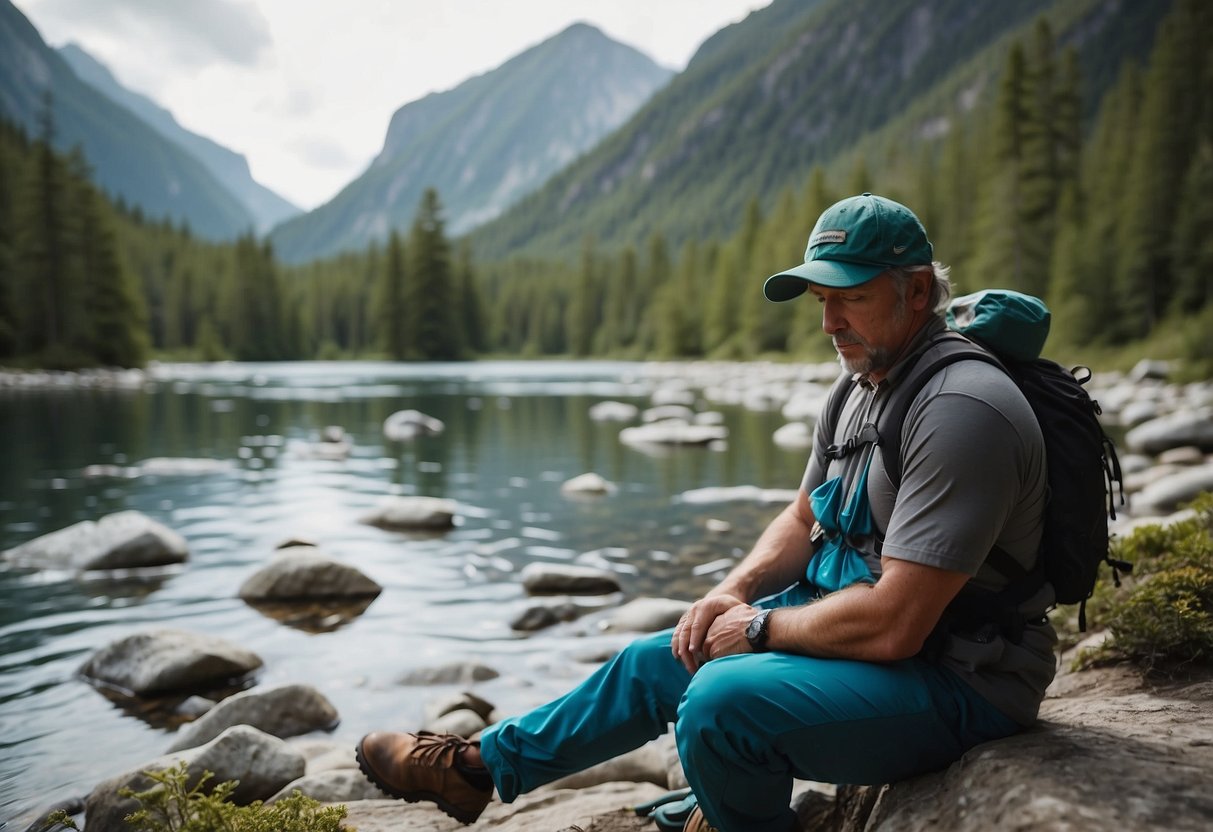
1151,745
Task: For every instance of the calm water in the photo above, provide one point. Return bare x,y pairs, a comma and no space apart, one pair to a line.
514,433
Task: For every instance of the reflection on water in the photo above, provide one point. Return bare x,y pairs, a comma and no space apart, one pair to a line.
514,433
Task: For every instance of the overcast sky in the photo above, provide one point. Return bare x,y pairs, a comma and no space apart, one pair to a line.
305,89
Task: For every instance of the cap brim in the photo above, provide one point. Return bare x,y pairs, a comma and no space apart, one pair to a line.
837,274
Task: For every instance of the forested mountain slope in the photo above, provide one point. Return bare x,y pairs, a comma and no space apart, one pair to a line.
129,159
794,85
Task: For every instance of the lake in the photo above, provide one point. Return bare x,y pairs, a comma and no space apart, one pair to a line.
515,431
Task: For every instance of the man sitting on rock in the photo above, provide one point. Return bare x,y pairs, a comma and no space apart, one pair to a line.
847,674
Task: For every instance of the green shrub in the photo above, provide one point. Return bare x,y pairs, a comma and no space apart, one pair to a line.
172,806
1162,615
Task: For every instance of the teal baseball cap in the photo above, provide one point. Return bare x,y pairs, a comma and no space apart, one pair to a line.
853,241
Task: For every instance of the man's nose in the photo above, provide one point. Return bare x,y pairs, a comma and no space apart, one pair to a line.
832,319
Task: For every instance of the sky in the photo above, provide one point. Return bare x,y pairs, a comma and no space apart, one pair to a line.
305,89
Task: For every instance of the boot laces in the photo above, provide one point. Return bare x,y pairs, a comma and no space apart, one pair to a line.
433,749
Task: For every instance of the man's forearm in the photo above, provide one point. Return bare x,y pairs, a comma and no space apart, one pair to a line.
777,560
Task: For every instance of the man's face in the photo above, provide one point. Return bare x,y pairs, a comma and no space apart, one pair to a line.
870,324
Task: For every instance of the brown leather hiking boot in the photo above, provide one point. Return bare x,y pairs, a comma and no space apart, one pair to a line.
422,766
696,822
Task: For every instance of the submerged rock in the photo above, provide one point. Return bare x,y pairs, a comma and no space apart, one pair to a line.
404,425
589,483
165,661
126,540
562,579
422,513
302,573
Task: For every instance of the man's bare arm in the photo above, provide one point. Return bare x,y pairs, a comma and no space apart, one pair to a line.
885,621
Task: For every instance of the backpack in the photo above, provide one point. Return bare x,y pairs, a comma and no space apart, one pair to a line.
1008,329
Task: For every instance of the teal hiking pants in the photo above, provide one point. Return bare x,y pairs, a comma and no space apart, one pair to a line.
746,725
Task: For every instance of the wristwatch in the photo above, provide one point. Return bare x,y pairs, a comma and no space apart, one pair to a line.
757,631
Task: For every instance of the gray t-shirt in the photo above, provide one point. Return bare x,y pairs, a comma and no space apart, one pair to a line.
973,477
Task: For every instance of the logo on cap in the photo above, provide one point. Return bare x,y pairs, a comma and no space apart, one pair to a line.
898,249
823,237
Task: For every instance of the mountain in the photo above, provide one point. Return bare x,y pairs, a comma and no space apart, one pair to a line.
130,160
230,168
485,143
796,84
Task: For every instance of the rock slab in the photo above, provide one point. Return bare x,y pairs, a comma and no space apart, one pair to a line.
126,540
286,711
166,661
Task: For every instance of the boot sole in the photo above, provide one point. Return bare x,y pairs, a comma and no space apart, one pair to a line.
462,815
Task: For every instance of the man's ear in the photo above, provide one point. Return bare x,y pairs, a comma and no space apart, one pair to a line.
920,289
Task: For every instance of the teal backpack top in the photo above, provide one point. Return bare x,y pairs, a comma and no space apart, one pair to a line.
1008,329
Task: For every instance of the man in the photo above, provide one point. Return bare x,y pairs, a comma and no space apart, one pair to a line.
829,679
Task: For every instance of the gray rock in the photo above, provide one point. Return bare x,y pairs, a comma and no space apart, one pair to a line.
341,785
283,712
423,513
404,425
323,754
646,764
455,673
456,702
126,540
673,432
1134,413
590,483
1148,368
554,578
646,615
300,574
793,435
538,811
1186,455
263,765
613,412
542,615
163,466
1183,427
463,722
161,661
1168,493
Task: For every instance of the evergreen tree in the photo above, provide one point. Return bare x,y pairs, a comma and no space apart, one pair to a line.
471,317
430,278
581,315
1171,106
1192,249
395,328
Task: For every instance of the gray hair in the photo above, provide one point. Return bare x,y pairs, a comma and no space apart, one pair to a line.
941,285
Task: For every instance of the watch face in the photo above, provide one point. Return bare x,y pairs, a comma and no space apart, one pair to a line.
754,630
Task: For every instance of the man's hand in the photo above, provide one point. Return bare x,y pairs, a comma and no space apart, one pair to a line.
692,629
726,636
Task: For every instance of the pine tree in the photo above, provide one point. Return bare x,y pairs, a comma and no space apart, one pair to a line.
395,329
1170,107
581,316
430,278
471,317
1192,249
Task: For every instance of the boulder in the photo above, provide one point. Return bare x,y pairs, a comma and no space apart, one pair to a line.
646,615
166,466
455,673
285,711
1167,493
613,412
589,483
793,435
1107,754
668,412
418,513
457,702
1183,427
342,785
164,661
673,432
545,809
263,765
463,722
126,540
301,573
554,578
646,764
404,425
